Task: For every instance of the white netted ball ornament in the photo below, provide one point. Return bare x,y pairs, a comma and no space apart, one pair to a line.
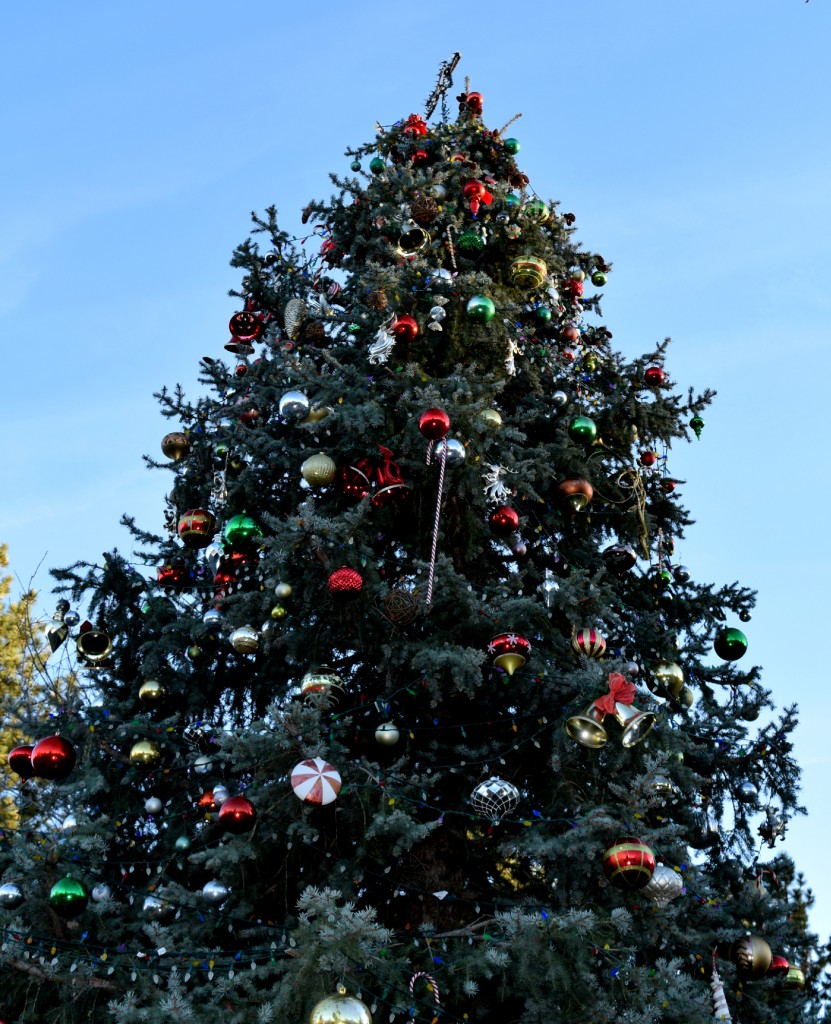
494,797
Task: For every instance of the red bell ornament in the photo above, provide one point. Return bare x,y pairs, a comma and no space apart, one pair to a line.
629,863
345,582
53,758
434,424
405,328
237,815
504,521
20,762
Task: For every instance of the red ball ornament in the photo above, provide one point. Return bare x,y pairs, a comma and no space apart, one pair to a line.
434,424
654,375
197,527
53,758
588,642
207,803
237,815
668,485
571,334
405,328
475,101
20,762
416,125
648,458
420,157
572,288
779,965
504,521
629,864
345,582
245,325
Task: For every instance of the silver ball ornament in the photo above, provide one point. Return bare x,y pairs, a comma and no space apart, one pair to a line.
183,844
101,893
494,798
71,619
294,406
215,892
221,794
664,886
245,640
748,793
153,805
11,896
213,618
203,764
283,591
387,734
455,451
155,909
559,400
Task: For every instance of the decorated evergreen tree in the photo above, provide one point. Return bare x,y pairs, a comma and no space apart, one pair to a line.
417,715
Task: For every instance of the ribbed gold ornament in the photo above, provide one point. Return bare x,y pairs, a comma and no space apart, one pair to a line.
318,470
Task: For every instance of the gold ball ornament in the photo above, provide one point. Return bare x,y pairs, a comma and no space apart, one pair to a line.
490,418
245,640
529,272
318,470
752,956
145,754
283,591
340,1008
152,693
669,676
278,612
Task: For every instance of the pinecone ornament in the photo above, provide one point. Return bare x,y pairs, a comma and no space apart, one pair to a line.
425,209
293,316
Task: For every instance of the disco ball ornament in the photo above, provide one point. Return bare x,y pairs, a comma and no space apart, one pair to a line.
68,897
588,642
101,893
315,781
730,644
664,886
345,582
629,863
153,805
752,956
245,640
237,815
20,761
451,450
215,892
152,693
145,754
11,896
494,798
53,758
340,1008
294,406
748,793
387,734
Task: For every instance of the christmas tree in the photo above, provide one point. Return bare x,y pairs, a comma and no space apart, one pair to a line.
418,715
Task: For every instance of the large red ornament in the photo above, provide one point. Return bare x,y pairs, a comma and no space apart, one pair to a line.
475,102
420,157
416,125
509,651
345,582
654,375
572,288
571,334
405,328
237,815
504,521
173,576
246,325
20,762
629,864
434,424
197,527
354,483
588,642
648,458
779,965
53,758
476,193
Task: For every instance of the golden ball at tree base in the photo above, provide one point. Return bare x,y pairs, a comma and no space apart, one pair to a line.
340,1008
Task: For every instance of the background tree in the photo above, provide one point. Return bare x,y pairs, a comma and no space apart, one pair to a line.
421,701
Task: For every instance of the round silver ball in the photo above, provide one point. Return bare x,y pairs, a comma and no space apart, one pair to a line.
387,734
294,406
71,619
215,892
245,640
748,793
213,618
559,400
203,764
155,909
183,844
455,451
221,794
153,805
494,798
11,896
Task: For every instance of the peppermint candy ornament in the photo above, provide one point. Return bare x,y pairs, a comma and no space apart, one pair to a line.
315,781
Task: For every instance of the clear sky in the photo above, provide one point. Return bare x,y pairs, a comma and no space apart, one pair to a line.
690,139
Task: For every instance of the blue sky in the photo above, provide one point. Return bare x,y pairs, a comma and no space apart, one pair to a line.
691,140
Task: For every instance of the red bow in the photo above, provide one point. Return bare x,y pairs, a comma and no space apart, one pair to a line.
380,469
621,691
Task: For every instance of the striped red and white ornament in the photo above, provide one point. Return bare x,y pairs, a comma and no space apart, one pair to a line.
315,781
588,642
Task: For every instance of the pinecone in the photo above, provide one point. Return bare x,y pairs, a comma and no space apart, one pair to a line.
424,210
377,300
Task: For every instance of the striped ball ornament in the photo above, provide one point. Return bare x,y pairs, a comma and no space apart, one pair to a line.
629,864
588,642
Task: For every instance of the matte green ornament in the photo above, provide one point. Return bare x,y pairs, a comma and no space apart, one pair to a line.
730,644
543,314
355,165
241,531
377,165
582,429
481,309
470,242
599,278
511,146
697,423
69,897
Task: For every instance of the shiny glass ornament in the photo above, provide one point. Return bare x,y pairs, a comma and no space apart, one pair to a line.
559,399
583,430
434,424
175,445
509,651
668,676
730,644
152,693
504,521
664,886
549,589
322,683
237,815
355,166
480,309
490,418
20,761
494,798
145,754
182,844
629,863
588,642
377,165
455,451
71,619
155,909
599,279
53,758
748,793
153,805
11,896
278,612
215,892
315,781
101,893
752,955
619,558
242,532
528,272
340,1008
196,528
68,897
511,146
294,406
245,640
387,734
577,493
536,211
697,424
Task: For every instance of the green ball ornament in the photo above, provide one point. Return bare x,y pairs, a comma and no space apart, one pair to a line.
599,278
470,243
377,165
511,146
543,314
537,212
730,644
583,430
355,165
241,531
481,309
69,897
